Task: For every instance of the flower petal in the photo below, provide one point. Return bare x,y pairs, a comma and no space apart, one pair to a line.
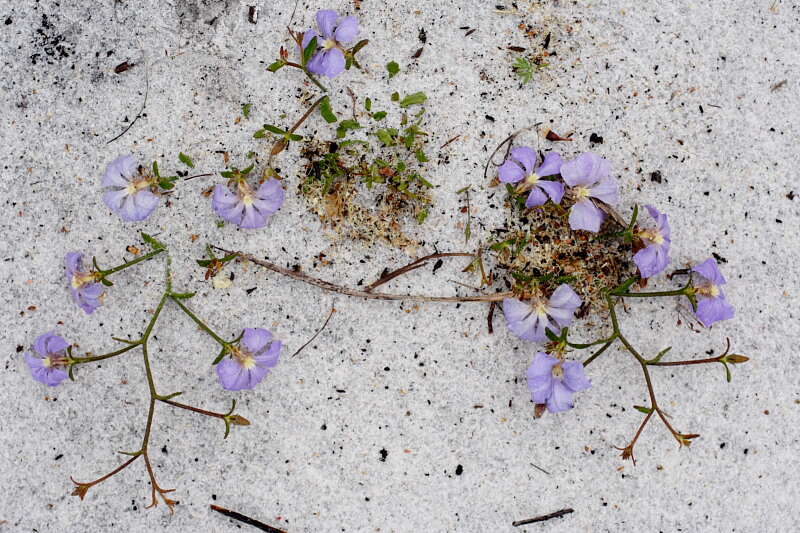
145,202
520,318
510,172
49,343
560,399
333,63
575,377
540,377
526,156
585,215
252,219
551,164
114,198
119,171
554,189
586,169
255,340
74,263
269,197
651,260
326,20
710,270
227,204
606,190
710,310
564,297
270,359
347,30
536,198
232,376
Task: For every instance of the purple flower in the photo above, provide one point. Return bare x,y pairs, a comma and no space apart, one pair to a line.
654,257
712,305
250,361
522,166
128,192
553,382
86,290
245,207
529,321
588,175
48,365
330,60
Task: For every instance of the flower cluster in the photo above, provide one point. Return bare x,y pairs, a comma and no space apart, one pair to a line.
587,186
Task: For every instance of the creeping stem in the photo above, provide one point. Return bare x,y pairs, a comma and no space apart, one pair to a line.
123,266
202,325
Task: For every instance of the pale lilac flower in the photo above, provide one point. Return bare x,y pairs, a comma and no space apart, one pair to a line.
250,361
529,320
86,291
329,60
128,192
654,257
245,207
521,166
553,382
589,176
49,363
712,305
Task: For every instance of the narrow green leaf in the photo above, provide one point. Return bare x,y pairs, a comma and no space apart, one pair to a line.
422,216
152,241
246,110
274,67
395,96
413,99
183,295
155,169
309,50
379,115
421,157
345,126
260,134
186,160
368,104
393,68
643,409
326,111
274,129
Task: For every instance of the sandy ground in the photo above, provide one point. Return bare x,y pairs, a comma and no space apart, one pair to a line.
375,426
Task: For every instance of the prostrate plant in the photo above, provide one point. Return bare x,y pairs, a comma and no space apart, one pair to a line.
591,194
240,364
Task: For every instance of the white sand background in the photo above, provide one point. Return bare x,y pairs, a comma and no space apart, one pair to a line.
682,88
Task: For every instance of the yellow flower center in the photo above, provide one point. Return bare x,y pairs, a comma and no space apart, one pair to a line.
533,179
541,309
244,357
709,290
580,193
79,279
558,371
328,44
249,362
47,362
137,185
652,235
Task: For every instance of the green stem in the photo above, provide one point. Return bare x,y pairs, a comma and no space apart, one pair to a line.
192,408
222,342
123,266
599,352
91,359
654,294
595,343
313,79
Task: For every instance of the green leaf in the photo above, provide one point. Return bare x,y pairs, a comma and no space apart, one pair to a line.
413,99
183,295
395,96
393,69
274,67
295,137
387,136
368,104
309,50
643,409
153,242
155,169
274,129
379,115
186,160
421,157
345,126
260,134
246,110
326,111
422,216
166,184
249,169
205,263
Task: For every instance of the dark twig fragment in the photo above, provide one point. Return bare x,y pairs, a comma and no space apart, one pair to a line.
246,519
324,325
542,518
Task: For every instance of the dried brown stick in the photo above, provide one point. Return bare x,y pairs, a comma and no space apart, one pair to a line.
324,325
246,519
543,517
413,266
332,287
